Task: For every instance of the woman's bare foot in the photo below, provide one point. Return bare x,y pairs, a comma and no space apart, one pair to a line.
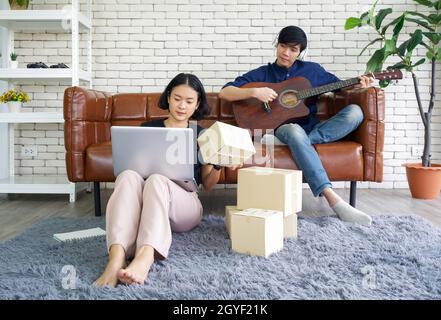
139,268
117,260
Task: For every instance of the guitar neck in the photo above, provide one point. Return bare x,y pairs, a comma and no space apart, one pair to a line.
307,93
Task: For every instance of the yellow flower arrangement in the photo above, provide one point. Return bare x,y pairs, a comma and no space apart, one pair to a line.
14,95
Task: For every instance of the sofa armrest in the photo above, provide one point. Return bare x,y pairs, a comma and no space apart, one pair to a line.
370,133
87,115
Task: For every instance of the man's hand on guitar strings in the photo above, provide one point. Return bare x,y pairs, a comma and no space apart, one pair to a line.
364,82
264,94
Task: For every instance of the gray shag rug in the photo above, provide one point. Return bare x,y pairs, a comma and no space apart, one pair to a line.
398,257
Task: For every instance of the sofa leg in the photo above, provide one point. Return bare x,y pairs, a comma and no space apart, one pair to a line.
353,193
97,198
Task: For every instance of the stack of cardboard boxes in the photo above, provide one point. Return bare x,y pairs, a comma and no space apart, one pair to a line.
276,194
268,199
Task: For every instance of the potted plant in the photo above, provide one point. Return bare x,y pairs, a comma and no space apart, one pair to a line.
425,177
14,99
19,4
14,62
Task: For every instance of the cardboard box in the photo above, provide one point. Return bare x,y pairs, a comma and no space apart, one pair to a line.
270,188
229,210
290,226
225,145
257,232
289,222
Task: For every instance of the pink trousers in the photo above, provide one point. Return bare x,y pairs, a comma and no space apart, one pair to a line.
145,212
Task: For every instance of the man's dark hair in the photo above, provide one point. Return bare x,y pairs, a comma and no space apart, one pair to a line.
293,35
192,81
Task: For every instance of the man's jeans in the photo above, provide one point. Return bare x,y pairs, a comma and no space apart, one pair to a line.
300,143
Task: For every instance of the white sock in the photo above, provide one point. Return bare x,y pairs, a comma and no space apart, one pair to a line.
348,213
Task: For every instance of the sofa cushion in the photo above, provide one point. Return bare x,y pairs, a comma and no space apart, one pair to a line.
342,160
99,164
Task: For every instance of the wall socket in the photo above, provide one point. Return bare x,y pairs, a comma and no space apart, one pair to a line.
29,151
417,151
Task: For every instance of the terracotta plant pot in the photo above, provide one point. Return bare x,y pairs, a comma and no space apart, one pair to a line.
15,6
424,182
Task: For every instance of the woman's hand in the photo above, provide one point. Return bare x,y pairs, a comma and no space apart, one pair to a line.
237,166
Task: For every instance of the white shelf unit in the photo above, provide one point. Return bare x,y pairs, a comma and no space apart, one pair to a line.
11,21
50,19
31,117
13,75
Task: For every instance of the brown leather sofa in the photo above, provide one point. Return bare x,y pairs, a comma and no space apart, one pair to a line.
89,114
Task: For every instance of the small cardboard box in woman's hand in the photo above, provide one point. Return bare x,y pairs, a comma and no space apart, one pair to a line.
225,145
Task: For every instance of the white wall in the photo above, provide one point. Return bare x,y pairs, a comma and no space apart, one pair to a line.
139,45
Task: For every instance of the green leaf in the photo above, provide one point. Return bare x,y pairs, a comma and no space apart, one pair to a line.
435,18
425,45
399,65
415,40
437,5
352,22
23,3
426,3
421,61
414,13
433,37
369,44
371,13
430,54
390,46
375,63
399,26
402,48
384,83
380,17
393,22
421,23
365,17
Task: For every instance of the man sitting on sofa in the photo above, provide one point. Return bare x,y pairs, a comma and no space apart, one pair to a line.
300,137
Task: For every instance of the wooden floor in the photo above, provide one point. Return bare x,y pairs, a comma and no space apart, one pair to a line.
18,212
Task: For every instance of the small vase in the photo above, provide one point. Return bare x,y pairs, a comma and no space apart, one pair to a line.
14,106
4,108
15,6
14,64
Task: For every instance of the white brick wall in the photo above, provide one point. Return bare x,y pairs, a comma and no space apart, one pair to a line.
139,45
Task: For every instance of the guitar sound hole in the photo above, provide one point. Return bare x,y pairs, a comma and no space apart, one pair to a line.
289,99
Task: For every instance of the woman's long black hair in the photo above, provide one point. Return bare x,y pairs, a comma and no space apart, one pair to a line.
192,81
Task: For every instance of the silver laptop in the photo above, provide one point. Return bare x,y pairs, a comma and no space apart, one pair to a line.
148,150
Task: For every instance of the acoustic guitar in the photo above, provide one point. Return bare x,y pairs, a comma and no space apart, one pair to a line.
294,95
